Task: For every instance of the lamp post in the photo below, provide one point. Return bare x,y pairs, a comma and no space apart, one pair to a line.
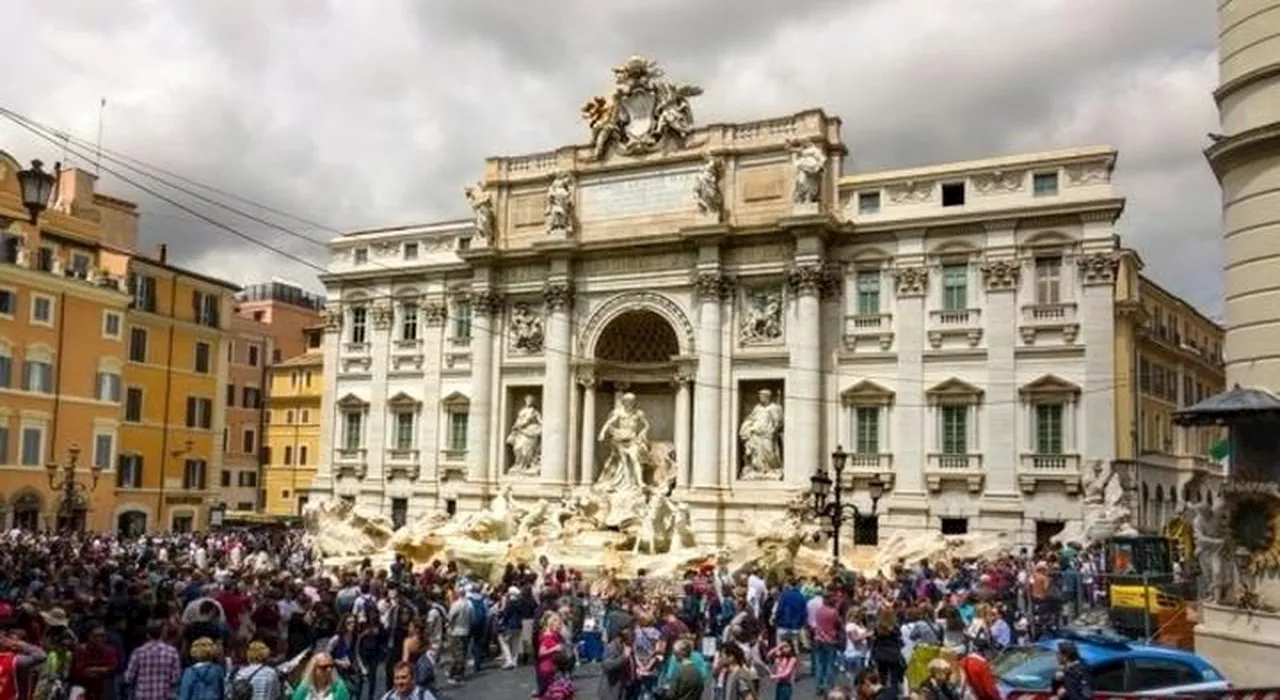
36,187
835,511
62,480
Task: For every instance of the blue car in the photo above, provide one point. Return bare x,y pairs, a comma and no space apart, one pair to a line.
1116,665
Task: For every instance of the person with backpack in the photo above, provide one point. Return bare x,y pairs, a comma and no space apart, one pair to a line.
256,680
205,680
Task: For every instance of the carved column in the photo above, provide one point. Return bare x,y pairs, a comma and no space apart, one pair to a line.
802,396
484,305
587,469
711,288
683,415
1097,275
558,296
1001,460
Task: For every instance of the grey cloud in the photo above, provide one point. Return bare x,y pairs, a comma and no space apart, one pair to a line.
360,114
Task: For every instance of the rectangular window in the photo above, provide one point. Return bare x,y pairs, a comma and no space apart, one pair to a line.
254,354
288,455
361,255
133,405
32,447
955,430
399,512
252,398
458,431
867,440
404,431
109,387
199,412
305,417
955,287
359,321
6,371
306,379
247,480
202,358
249,442
204,308
41,309
8,303
302,455
4,444
129,471
352,436
137,344
44,259
462,320
293,380
868,292
224,479
1048,280
143,289
1044,184
952,194
194,475
103,449
111,322
79,266
868,202
410,251
37,377
408,321
1049,428
231,396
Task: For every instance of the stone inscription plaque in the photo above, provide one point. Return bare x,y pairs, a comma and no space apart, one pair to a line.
639,195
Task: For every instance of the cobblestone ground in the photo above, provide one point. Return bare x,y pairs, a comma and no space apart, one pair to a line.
492,683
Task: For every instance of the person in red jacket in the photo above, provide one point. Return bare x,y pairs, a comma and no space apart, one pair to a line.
15,656
978,676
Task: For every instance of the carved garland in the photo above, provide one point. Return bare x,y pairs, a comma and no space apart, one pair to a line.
382,315
911,281
434,313
1098,268
1001,275
332,318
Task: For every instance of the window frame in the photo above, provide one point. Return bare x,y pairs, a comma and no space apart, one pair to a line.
196,356
33,320
107,316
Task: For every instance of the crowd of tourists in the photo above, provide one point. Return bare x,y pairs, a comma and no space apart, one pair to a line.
255,616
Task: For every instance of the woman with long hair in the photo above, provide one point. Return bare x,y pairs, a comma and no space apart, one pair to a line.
343,652
550,642
886,650
320,681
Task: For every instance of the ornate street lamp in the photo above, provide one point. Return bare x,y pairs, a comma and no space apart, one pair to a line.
834,510
37,187
62,479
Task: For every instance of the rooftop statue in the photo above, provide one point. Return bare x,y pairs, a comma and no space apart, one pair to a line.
643,112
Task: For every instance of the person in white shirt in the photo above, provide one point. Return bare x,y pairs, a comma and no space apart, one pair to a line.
756,591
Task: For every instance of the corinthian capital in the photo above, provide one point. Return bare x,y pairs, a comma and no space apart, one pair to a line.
558,295
712,285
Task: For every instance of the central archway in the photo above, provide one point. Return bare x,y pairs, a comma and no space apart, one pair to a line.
639,337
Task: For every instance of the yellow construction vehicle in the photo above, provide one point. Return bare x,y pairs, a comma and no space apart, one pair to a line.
1141,588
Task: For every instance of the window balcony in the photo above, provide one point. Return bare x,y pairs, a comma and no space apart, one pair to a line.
355,348
395,454
870,465
351,454
862,330
1044,319
1037,468
402,463
965,468
965,324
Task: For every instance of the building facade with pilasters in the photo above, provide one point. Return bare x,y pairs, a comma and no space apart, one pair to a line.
951,327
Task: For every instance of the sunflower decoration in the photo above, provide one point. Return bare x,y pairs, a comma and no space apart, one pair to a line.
1251,521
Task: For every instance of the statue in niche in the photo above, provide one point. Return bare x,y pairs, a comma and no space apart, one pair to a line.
525,439
706,188
809,162
559,211
761,436
481,209
1105,504
526,330
627,433
762,322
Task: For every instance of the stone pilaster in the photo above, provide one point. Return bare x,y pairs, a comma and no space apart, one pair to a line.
587,450
802,400
1097,274
683,416
485,304
711,288
558,296
912,432
1000,278
433,315
375,436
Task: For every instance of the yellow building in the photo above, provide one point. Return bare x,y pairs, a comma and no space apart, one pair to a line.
173,423
1168,356
62,310
293,427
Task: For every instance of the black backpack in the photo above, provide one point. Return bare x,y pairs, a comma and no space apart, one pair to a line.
242,687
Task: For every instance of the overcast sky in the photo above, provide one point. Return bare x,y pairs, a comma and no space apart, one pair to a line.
356,114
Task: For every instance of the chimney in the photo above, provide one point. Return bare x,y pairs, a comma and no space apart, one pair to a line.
164,253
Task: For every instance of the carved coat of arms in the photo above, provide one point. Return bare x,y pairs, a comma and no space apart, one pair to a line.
643,112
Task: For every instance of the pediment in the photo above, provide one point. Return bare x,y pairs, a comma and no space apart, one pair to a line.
403,400
954,390
1049,386
866,393
456,399
352,402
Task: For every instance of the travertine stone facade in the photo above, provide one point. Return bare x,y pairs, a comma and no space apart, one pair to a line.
950,326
